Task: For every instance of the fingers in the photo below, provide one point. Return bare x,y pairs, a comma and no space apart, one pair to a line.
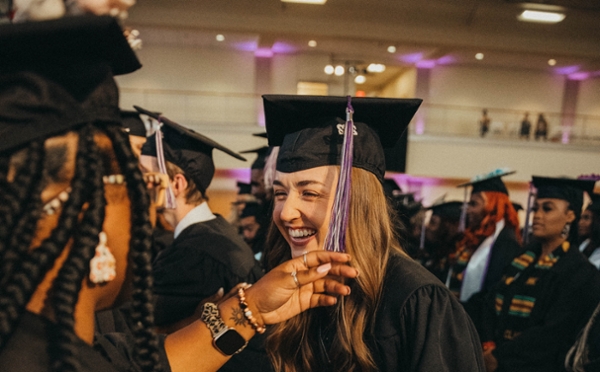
331,287
317,258
343,271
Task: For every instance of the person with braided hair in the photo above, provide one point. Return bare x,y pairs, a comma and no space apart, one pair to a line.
75,234
491,238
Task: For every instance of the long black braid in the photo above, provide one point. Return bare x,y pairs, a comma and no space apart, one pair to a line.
142,314
20,198
17,289
28,196
68,283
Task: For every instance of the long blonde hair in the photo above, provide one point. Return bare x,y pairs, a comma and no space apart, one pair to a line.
370,240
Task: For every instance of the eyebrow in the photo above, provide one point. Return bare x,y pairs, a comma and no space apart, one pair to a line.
300,183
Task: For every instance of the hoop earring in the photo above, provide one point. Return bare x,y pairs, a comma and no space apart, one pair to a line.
103,265
566,230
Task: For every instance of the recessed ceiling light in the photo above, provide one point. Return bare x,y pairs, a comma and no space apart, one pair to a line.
391,49
552,62
360,79
220,37
312,43
329,69
339,70
540,16
376,67
320,2
479,56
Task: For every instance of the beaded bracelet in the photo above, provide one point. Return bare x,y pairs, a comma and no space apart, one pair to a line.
248,314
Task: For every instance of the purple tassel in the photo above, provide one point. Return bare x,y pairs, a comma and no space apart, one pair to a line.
162,166
336,237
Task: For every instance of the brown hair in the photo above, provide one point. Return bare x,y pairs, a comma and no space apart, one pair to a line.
291,344
192,194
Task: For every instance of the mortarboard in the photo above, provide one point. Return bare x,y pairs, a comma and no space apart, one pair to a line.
261,134
244,188
262,154
309,129
310,132
57,75
567,189
491,181
252,209
517,206
391,188
190,151
133,124
450,209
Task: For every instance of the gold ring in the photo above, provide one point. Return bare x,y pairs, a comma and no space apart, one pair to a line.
294,275
304,257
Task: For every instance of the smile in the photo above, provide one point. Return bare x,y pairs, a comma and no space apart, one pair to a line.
301,233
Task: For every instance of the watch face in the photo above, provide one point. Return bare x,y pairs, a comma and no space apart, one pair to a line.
230,342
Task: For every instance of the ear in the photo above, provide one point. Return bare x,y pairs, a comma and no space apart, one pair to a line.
179,184
570,216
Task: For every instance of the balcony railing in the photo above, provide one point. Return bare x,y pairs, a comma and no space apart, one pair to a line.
238,110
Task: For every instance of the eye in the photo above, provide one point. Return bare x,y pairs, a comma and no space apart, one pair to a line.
309,194
279,194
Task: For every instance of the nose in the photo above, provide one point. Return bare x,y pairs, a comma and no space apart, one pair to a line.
289,210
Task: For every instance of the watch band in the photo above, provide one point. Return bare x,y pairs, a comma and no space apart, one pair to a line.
225,339
212,317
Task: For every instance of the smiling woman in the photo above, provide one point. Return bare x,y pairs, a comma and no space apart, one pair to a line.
398,316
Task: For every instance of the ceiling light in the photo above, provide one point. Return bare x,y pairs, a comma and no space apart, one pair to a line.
376,67
339,70
392,49
360,79
329,69
320,2
539,16
479,56
220,37
312,43
552,62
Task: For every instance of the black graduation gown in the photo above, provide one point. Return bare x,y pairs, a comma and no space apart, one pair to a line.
420,326
205,257
567,297
504,249
26,350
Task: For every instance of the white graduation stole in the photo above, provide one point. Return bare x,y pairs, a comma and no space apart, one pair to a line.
476,269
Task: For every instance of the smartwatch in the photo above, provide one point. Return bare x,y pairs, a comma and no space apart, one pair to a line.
225,339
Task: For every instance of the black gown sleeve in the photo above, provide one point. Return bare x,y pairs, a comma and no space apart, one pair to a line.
437,334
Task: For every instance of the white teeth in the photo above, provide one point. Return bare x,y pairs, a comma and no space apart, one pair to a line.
300,233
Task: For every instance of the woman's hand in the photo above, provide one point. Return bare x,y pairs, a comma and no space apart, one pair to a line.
277,297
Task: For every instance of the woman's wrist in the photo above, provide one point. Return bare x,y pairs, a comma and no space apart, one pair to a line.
250,301
233,316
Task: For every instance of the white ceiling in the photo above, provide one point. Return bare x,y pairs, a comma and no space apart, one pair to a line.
450,31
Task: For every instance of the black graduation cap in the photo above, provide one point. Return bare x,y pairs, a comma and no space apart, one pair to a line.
309,129
132,123
391,188
56,75
244,188
489,182
190,151
450,209
261,134
252,209
567,189
517,206
261,158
